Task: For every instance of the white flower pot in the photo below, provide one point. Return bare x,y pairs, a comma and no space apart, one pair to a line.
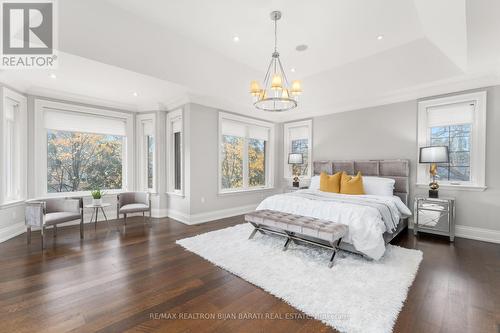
97,202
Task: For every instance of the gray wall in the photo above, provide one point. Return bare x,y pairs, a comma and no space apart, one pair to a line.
203,128
390,132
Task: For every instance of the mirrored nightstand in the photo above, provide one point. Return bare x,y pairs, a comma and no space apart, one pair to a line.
435,216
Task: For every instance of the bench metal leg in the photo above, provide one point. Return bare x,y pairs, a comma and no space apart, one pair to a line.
335,249
28,235
287,243
253,233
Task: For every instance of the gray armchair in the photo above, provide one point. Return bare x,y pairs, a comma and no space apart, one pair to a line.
50,212
133,202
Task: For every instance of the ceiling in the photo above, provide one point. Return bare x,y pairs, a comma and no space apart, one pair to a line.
174,51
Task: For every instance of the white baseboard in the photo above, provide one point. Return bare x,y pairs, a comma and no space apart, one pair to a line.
475,233
481,234
12,231
210,216
159,213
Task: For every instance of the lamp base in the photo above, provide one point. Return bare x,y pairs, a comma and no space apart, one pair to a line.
433,194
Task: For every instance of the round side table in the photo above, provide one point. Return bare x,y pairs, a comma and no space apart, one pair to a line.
95,213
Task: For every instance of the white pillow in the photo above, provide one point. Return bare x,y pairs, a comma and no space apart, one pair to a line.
379,186
314,185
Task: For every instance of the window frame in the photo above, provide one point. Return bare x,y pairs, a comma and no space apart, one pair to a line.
477,146
21,146
142,150
40,145
269,157
287,146
173,117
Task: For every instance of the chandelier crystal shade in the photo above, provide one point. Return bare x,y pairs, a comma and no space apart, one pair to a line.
276,93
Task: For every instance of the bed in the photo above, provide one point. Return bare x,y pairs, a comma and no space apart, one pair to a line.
373,221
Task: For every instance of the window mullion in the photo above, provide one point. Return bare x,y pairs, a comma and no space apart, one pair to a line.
245,162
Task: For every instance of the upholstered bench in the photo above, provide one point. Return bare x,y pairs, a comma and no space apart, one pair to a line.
310,230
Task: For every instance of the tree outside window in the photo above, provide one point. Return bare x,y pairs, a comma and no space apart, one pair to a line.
83,161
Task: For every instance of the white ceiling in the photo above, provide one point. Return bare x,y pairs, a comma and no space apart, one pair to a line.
185,50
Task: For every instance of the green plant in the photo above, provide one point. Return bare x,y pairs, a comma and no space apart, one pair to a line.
97,194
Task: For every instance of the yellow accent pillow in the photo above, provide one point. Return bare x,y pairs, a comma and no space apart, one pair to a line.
351,185
329,183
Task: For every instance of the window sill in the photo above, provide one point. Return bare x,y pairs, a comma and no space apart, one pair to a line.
250,190
450,187
176,194
10,204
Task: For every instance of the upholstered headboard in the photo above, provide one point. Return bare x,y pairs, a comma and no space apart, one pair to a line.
399,170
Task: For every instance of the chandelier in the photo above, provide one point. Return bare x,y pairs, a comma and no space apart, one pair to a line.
276,94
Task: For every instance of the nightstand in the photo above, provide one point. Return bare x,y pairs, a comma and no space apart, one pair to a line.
435,216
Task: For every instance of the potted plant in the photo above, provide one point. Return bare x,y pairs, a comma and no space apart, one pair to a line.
97,197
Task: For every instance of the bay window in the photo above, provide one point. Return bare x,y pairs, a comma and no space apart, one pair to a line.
14,146
79,149
298,140
458,122
245,157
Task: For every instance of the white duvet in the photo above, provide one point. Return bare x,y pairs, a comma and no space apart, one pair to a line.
366,225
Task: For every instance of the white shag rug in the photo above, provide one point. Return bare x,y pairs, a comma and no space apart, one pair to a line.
356,295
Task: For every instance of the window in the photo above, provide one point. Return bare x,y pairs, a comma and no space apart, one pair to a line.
458,122
298,139
245,157
14,120
175,154
78,161
79,149
146,151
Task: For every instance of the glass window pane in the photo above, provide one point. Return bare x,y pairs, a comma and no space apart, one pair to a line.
83,161
460,159
177,161
440,132
150,143
256,162
459,173
232,162
461,143
300,146
440,141
461,130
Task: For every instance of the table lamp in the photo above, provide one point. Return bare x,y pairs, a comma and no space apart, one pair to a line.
433,155
295,159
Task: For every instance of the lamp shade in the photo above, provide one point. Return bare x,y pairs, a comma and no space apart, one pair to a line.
436,154
294,158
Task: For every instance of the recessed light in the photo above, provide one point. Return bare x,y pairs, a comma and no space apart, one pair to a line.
380,37
301,47
135,94
53,76
236,39
292,70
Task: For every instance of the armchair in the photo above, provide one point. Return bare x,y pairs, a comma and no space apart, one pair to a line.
133,202
50,212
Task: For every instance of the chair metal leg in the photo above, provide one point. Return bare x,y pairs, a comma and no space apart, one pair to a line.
42,234
81,228
55,230
125,219
28,235
144,217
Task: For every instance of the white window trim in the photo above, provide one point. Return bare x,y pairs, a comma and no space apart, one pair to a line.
172,117
6,93
41,145
478,141
270,166
142,150
286,147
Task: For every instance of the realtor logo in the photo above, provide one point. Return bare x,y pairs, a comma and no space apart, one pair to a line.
28,34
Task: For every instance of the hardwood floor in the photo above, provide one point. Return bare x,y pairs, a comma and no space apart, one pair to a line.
133,280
